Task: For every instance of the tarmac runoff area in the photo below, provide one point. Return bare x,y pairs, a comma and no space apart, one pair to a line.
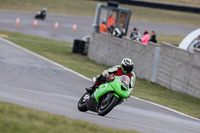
33,81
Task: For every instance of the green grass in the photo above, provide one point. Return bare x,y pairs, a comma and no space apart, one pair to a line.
172,39
143,89
59,52
163,96
16,119
87,8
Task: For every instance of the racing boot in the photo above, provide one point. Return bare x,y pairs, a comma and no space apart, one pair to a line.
97,81
90,89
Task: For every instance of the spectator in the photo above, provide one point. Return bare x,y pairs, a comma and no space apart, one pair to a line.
110,23
102,27
197,45
145,37
119,32
153,37
135,35
111,30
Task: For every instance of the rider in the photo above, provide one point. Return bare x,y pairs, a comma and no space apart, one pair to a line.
125,69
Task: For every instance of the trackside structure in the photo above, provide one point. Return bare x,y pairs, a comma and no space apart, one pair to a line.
103,12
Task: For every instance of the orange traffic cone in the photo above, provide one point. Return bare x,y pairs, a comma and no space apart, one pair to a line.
35,23
56,25
74,27
17,21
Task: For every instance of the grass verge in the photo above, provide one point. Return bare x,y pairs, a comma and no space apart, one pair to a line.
16,119
172,39
143,89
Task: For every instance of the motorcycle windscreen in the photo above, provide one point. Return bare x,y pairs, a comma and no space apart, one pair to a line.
125,80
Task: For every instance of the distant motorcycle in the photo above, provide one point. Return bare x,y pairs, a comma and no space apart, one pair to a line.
106,96
41,14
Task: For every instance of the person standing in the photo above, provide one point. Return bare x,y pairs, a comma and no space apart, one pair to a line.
145,37
119,32
197,45
103,28
135,35
153,37
110,23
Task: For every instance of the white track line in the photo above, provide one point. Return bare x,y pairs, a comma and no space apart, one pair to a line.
28,51
65,68
166,108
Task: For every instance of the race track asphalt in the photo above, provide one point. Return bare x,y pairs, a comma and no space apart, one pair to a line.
32,81
35,82
84,26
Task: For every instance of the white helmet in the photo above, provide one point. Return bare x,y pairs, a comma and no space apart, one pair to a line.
127,65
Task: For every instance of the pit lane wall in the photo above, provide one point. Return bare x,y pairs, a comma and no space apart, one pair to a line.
167,65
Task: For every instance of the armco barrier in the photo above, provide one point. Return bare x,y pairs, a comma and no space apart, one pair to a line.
167,65
160,5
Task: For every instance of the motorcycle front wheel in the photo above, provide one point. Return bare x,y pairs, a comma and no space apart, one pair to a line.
106,106
82,102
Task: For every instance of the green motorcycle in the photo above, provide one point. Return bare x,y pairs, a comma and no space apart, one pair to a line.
106,96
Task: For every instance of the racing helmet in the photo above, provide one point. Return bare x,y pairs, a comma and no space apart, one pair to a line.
127,65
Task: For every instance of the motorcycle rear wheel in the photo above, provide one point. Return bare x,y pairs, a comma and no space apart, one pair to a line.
105,108
82,103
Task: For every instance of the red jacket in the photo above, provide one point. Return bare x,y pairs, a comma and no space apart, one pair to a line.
117,71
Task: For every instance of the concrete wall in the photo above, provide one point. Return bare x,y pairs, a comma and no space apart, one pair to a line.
194,75
175,69
111,50
179,70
